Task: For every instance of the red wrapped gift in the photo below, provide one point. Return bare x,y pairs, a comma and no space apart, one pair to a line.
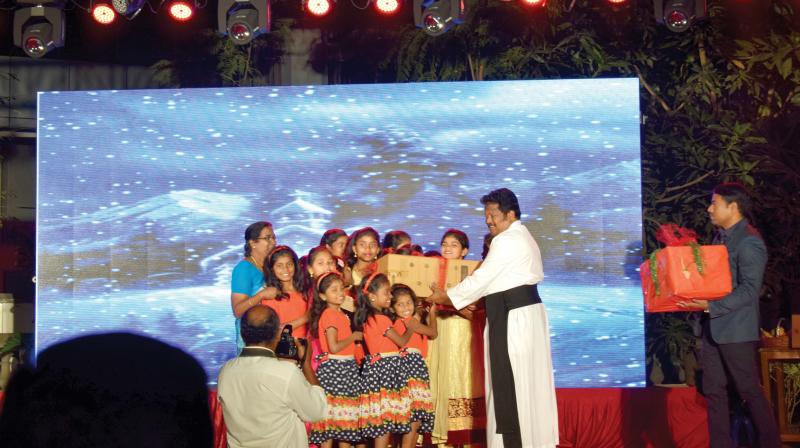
684,270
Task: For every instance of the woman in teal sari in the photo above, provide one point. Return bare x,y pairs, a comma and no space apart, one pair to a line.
247,280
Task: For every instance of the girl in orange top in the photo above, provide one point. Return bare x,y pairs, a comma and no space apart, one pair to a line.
318,262
283,272
386,405
337,372
363,248
336,241
404,305
321,260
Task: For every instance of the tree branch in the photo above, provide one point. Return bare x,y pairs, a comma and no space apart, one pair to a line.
650,90
668,198
471,66
687,184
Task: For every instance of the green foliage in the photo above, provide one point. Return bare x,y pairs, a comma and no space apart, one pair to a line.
11,344
214,60
791,387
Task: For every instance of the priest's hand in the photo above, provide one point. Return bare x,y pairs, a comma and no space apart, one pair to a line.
438,296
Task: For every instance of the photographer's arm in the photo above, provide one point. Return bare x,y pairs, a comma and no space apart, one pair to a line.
305,396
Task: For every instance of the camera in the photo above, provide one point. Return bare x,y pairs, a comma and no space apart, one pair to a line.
287,348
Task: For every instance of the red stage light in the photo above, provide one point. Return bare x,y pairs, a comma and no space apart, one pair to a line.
103,14
617,2
240,31
387,6
318,7
534,2
35,47
678,20
181,11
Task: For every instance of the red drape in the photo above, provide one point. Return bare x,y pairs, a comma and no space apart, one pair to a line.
220,437
647,417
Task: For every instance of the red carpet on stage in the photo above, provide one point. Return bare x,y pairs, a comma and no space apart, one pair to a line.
603,418
607,418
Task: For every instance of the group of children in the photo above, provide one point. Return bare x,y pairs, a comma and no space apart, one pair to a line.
369,338
389,392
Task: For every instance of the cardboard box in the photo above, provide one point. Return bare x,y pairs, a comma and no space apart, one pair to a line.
679,278
420,272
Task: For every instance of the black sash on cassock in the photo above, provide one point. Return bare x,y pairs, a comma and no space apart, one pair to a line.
505,400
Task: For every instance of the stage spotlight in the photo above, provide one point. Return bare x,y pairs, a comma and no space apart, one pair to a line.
103,13
38,29
436,17
181,10
243,20
534,3
387,6
679,15
128,7
318,8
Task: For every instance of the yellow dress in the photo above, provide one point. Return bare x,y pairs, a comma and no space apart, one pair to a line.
455,362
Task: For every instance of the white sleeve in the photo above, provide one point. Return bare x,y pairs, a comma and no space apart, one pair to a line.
472,288
308,401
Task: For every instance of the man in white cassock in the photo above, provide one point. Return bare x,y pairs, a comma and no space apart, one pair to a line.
520,390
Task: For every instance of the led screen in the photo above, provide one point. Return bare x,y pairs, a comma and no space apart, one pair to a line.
144,197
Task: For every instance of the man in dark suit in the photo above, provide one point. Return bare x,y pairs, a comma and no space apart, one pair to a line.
730,325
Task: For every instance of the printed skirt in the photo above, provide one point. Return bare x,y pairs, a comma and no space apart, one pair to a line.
386,405
419,390
340,378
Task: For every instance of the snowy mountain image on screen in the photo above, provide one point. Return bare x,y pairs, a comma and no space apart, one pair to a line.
144,197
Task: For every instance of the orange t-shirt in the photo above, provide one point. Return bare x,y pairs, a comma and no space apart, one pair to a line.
289,310
375,335
335,319
417,341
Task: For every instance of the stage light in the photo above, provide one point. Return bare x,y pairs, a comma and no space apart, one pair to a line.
317,7
103,13
128,7
436,17
38,29
243,20
181,10
534,2
679,15
387,6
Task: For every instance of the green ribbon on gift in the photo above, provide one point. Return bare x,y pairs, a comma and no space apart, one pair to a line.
698,259
696,254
